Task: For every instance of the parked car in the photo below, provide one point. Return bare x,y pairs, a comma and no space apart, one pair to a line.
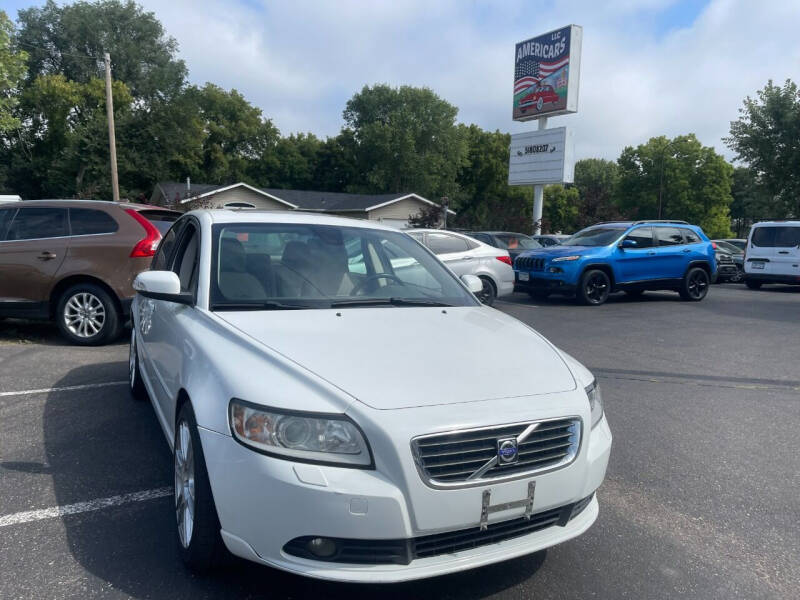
551,239
739,243
74,262
465,255
726,268
537,98
513,243
337,422
773,254
736,255
630,256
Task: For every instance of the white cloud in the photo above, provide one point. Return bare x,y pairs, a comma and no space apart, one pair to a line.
300,61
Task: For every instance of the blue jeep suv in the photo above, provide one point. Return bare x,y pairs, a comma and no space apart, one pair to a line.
629,256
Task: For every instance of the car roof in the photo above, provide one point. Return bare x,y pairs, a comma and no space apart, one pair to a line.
249,215
76,203
777,223
502,233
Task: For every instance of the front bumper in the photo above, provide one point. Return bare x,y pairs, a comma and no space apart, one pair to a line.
769,278
537,283
263,503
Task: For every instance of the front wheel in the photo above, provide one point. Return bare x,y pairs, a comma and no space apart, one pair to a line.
198,528
488,294
738,278
694,286
753,285
594,287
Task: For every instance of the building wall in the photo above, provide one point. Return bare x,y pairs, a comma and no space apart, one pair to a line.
398,211
242,194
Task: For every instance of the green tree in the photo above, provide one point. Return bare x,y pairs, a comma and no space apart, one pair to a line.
12,70
71,39
405,139
767,137
596,181
561,210
677,179
484,199
751,201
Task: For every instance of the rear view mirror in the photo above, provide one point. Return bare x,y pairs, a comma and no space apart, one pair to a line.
473,283
628,244
162,285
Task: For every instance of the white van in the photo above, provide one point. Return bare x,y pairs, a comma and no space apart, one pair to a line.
772,254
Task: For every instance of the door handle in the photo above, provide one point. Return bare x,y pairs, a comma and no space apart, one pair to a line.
467,258
686,250
47,256
783,252
651,253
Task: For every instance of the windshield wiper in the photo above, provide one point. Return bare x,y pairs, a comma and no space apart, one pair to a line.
386,302
255,306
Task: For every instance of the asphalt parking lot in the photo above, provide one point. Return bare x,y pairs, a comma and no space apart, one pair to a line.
700,499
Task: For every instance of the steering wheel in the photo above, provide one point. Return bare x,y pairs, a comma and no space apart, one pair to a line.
361,285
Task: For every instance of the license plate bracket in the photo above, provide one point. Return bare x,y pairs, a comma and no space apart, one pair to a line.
757,264
487,508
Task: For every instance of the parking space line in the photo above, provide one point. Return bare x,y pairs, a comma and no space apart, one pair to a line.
82,507
67,388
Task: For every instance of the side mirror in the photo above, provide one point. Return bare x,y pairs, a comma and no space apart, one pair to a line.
162,285
628,244
473,283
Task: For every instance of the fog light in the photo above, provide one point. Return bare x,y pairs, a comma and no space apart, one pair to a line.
555,270
322,547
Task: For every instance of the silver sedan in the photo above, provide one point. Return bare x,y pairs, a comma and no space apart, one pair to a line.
467,256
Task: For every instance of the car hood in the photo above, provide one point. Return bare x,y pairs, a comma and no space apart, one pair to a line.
402,357
554,251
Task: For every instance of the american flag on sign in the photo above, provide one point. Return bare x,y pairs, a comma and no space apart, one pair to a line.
530,72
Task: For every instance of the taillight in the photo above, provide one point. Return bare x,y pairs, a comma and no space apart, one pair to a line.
714,245
505,259
146,246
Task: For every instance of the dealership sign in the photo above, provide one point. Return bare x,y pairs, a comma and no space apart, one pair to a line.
541,157
546,74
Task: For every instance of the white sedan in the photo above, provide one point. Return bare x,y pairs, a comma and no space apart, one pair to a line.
325,388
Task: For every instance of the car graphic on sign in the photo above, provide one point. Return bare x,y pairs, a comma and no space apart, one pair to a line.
537,98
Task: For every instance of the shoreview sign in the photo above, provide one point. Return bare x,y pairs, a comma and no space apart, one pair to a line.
541,157
546,74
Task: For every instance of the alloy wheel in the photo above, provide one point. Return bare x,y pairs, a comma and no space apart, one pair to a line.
84,315
697,284
596,288
184,483
487,294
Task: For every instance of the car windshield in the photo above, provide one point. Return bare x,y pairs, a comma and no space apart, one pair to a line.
594,236
510,241
288,266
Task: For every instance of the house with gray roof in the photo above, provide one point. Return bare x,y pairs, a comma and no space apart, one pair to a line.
391,209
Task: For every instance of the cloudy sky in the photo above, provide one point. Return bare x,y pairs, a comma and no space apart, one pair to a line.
650,67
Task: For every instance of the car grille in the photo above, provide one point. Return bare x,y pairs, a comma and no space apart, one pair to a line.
402,552
529,263
724,258
471,457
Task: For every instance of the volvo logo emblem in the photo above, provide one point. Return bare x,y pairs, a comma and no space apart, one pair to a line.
507,453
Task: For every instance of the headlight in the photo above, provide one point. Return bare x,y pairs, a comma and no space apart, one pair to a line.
595,402
305,437
566,258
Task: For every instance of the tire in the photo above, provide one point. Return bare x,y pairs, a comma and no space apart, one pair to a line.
738,278
634,293
87,315
488,294
135,383
197,530
753,285
594,287
694,286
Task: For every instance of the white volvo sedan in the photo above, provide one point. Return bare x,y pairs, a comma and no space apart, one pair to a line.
341,406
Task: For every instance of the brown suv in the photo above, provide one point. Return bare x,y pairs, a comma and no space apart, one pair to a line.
74,261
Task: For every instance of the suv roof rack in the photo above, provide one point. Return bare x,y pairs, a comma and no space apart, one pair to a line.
675,221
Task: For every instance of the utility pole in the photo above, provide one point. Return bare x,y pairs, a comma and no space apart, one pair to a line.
445,203
112,143
538,194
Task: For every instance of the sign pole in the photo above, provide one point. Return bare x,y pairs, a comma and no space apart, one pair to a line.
538,194
112,144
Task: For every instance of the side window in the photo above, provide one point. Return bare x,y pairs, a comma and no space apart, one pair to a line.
88,221
643,236
691,236
187,259
5,219
669,236
38,223
442,243
164,252
786,237
482,237
764,237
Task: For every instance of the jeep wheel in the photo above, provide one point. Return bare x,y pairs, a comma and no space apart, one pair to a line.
694,286
594,287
